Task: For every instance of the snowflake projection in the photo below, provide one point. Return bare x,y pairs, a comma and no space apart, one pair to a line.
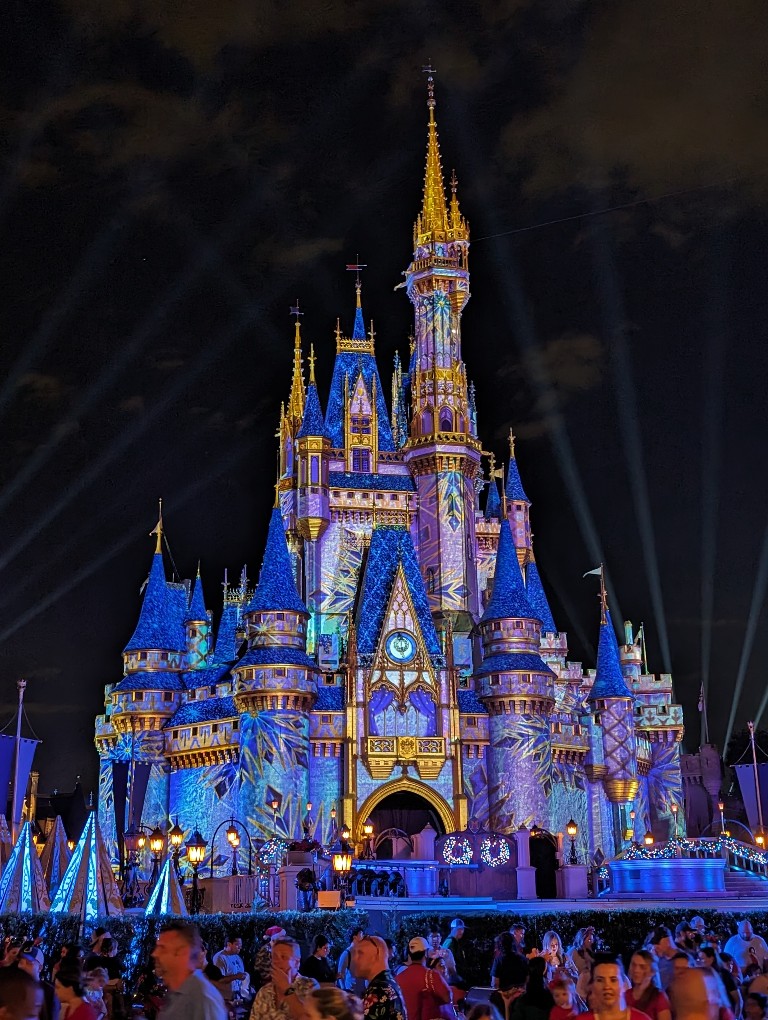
476,790
664,781
522,768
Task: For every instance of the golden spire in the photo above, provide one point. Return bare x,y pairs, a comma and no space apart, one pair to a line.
511,445
158,528
298,392
311,360
457,220
434,214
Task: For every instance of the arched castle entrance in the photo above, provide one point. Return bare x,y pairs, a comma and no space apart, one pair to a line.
407,805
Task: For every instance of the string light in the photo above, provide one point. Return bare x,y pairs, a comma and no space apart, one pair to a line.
457,850
710,847
494,851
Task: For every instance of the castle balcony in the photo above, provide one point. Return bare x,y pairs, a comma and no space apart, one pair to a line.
650,683
105,736
133,711
211,742
427,754
660,723
570,742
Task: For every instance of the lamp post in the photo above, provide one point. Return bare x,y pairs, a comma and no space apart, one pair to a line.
573,830
675,808
648,838
176,838
275,804
342,865
760,838
156,847
233,838
195,854
368,854
721,809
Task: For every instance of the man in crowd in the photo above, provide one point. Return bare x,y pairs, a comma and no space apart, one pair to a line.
345,978
31,960
370,962
745,947
517,931
177,956
453,942
231,965
663,948
262,964
282,997
438,952
695,995
423,990
21,997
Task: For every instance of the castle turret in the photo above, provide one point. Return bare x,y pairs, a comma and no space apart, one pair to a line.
275,689
197,626
518,507
517,689
312,508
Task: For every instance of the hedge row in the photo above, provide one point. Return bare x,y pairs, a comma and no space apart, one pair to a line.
621,931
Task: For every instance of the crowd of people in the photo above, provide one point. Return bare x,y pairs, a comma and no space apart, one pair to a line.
691,973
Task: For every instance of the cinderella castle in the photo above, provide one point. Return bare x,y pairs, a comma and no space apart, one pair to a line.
396,659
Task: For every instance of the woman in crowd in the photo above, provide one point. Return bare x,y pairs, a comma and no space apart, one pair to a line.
318,964
581,955
646,993
537,1001
70,993
552,951
755,1006
509,968
331,1003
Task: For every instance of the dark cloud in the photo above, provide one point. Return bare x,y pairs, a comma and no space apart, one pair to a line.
42,388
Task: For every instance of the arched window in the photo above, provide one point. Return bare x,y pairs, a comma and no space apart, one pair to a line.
426,422
446,419
314,472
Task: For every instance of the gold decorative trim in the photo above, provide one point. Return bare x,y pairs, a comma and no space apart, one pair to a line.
404,785
621,791
595,773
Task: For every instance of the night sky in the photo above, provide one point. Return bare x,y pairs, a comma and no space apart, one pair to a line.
174,176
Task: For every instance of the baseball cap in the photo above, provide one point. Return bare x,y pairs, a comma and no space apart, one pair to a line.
34,954
457,923
418,945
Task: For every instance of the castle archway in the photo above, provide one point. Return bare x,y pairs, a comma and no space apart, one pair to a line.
407,805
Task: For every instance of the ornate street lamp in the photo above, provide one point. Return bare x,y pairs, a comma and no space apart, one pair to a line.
156,847
760,839
342,865
176,838
675,808
368,854
721,809
648,839
233,838
195,853
573,830
275,804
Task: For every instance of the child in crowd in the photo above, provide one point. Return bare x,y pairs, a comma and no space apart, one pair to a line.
95,980
567,1004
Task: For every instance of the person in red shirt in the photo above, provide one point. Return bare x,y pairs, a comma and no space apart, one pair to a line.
645,993
567,1003
424,990
608,996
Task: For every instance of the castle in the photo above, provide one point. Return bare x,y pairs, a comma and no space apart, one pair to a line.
397,658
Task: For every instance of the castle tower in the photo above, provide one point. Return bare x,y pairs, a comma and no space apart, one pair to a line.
441,452
313,514
518,507
275,689
517,689
197,626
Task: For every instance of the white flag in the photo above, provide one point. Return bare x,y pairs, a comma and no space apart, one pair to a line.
597,570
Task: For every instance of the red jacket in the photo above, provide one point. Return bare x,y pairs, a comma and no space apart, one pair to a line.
424,992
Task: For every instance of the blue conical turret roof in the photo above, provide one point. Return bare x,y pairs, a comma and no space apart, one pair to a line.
538,599
609,679
509,600
514,487
493,502
276,590
158,625
313,422
197,610
227,643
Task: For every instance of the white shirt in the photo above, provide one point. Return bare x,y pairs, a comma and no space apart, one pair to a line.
739,949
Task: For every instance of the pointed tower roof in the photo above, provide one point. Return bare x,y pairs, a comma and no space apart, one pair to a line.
434,211
313,422
197,611
609,679
88,888
514,487
227,643
159,622
22,886
391,547
358,332
167,897
276,590
538,599
509,600
493,502
295,409
55,857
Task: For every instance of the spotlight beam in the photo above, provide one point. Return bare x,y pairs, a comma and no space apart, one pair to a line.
614,325
93,565
755,609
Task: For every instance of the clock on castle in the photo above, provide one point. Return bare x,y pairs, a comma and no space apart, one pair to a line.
396,658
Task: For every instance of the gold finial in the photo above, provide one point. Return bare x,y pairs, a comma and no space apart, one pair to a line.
603,597
312,360
411,342
277,483
198,568
492,465
434,214
225,585
511,445
158,528
457,222
371,334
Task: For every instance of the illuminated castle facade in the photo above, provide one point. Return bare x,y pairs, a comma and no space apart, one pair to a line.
397,650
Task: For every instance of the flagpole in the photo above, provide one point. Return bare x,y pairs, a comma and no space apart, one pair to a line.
20,685
704,722
751,728
645,653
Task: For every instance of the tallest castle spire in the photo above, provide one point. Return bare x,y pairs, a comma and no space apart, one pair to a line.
434,223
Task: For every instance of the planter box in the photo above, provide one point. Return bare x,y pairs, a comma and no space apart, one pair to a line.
300,857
